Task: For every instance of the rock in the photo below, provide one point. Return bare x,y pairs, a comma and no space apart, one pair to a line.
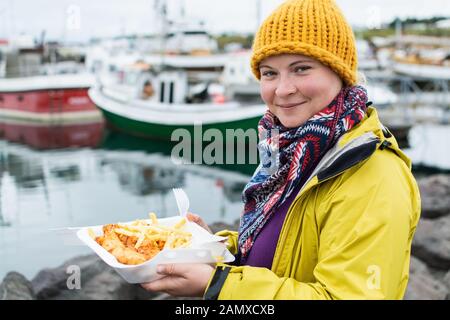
435,194
97,281
432,242
16,287
447,284
422,285
51,282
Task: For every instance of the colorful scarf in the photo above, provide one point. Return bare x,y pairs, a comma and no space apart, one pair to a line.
289,155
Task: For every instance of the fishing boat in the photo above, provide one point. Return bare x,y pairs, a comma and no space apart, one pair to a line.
175,85
34,88
181,99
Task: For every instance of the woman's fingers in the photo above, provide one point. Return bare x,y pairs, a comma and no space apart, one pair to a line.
189,280
175,270
157,285
198,220
169,271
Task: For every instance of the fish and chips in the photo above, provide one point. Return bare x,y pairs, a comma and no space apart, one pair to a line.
139,241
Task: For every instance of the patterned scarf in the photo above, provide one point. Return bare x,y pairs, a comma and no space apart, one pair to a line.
289,155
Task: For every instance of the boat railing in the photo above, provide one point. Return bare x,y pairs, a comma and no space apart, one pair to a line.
31,71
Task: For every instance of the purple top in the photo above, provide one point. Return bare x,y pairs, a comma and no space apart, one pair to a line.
263,249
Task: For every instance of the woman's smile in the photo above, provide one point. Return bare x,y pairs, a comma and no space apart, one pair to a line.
290,105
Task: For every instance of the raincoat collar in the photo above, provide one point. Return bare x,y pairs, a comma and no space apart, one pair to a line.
355,147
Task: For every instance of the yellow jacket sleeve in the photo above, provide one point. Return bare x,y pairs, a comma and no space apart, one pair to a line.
232,241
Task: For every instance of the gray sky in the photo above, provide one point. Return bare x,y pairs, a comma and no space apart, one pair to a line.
76,20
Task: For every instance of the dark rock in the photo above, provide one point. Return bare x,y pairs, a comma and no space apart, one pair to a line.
16,287
51,282
435,194
432,242
422,285
98,281
447,284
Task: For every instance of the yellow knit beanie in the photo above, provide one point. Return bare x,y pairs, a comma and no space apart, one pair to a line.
314,28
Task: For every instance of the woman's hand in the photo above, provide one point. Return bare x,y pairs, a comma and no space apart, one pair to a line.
198,220
182,280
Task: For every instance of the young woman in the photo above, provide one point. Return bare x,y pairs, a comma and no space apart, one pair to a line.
334,217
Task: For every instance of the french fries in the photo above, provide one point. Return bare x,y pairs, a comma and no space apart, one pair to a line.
139,241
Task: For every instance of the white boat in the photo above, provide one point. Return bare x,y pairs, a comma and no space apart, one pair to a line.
181,99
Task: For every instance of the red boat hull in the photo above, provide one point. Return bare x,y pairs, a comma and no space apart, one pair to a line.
48,104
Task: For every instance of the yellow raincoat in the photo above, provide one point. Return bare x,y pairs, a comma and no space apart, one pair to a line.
347,234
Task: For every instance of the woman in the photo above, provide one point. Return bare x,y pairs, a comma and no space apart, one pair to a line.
334,217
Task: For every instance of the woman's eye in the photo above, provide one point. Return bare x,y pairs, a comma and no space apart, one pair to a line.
301,68
268,73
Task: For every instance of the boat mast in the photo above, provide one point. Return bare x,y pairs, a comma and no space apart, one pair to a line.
160,7
398,32
182,10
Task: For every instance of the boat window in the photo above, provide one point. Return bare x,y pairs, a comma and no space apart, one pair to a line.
171,92
161,92
195,32
129,78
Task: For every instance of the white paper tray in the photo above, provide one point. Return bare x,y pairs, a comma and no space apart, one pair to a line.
205,248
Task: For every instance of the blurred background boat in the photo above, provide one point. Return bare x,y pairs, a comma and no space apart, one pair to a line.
175,86
37,86
179,99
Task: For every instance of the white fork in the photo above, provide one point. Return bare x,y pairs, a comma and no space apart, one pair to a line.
182,201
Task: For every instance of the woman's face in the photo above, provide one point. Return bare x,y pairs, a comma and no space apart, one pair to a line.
296,87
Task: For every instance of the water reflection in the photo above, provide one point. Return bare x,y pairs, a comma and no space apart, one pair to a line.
46,136
38,175
141,179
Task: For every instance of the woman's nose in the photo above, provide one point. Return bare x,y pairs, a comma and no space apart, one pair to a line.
285,87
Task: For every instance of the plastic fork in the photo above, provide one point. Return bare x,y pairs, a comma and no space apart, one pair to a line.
182,201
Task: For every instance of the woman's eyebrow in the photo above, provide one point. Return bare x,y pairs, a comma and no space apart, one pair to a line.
265,66
299,61
290,65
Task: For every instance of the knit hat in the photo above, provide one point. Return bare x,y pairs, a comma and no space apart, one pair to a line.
314,28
